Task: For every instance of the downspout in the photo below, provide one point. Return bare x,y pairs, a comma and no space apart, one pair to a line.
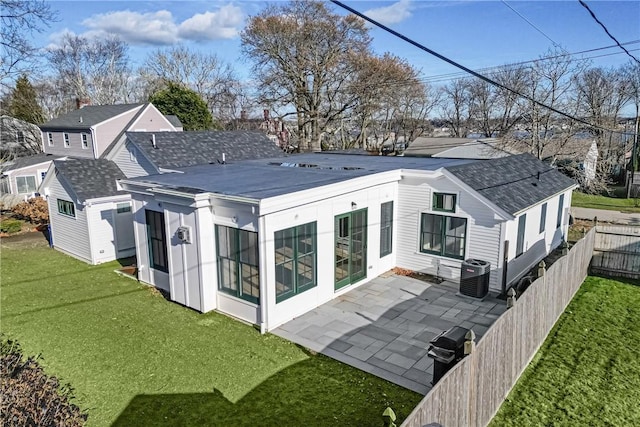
94,143
262,248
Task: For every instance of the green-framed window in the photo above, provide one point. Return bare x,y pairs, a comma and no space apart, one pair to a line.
238,270
543,218
157,241
560,208
386,228
522,227
66,207
444,202
295,260
443,235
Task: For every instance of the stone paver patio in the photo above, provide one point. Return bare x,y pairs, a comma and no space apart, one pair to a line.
384,327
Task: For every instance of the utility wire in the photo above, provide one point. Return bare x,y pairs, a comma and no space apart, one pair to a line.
533,25
468,70
593,15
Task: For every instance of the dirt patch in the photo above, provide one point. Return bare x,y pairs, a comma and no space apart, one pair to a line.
25,239
417,275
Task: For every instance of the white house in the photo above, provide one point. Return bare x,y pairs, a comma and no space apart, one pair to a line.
268,240
101,227
89,217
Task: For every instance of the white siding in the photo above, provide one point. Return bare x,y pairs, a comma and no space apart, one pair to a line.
70,235
483,229
101,220
536,245
132,165
324,212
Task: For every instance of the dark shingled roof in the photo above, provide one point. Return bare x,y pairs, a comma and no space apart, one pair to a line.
183,149
174,120
513,183
90,178
23,162
91,115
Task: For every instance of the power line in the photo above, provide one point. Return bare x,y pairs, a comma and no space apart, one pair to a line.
468,70
593,15
533,25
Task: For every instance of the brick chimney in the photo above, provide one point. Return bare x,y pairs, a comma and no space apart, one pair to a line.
266,114
82,102
243,115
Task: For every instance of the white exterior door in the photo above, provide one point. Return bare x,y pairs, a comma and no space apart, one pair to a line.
124,227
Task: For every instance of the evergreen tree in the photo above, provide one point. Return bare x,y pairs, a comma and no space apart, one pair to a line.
23,104
186,104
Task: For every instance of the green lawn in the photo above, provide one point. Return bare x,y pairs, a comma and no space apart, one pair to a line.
587,372
134,358
593,201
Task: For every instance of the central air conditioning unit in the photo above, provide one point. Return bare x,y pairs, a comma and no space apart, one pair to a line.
184,234
474,278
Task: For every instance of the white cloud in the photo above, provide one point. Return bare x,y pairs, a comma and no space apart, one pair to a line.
392,14
222,24
160,28
155,28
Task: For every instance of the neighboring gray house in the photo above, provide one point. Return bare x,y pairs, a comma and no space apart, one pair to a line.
455,148
150,153
90,218
90,131
268,240
22,176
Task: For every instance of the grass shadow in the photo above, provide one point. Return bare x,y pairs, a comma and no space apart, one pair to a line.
299,395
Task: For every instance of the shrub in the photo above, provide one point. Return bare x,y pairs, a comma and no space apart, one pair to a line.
34,210
10,226
29,396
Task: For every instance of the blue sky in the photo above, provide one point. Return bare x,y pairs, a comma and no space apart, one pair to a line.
474,33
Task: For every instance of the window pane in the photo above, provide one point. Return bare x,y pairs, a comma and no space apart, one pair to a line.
431,232
295,260
543,217
386,228
157,240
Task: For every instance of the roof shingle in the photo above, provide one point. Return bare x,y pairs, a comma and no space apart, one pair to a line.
90,178
513,183
182,149
88,116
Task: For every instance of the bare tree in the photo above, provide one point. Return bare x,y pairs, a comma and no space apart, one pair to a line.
204,73
20,19
603,94
95,69
303,57
456,110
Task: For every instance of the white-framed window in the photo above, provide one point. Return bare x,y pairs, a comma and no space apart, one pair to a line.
560,208
26,184
20,137
65,136
295,260
85,141
66,207
50,139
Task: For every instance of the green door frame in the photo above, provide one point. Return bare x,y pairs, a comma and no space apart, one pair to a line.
350,260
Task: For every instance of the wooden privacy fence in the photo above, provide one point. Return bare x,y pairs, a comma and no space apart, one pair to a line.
616,251
472,391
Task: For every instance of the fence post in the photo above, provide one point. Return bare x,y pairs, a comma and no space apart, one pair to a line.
470,342
511,297
542,268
